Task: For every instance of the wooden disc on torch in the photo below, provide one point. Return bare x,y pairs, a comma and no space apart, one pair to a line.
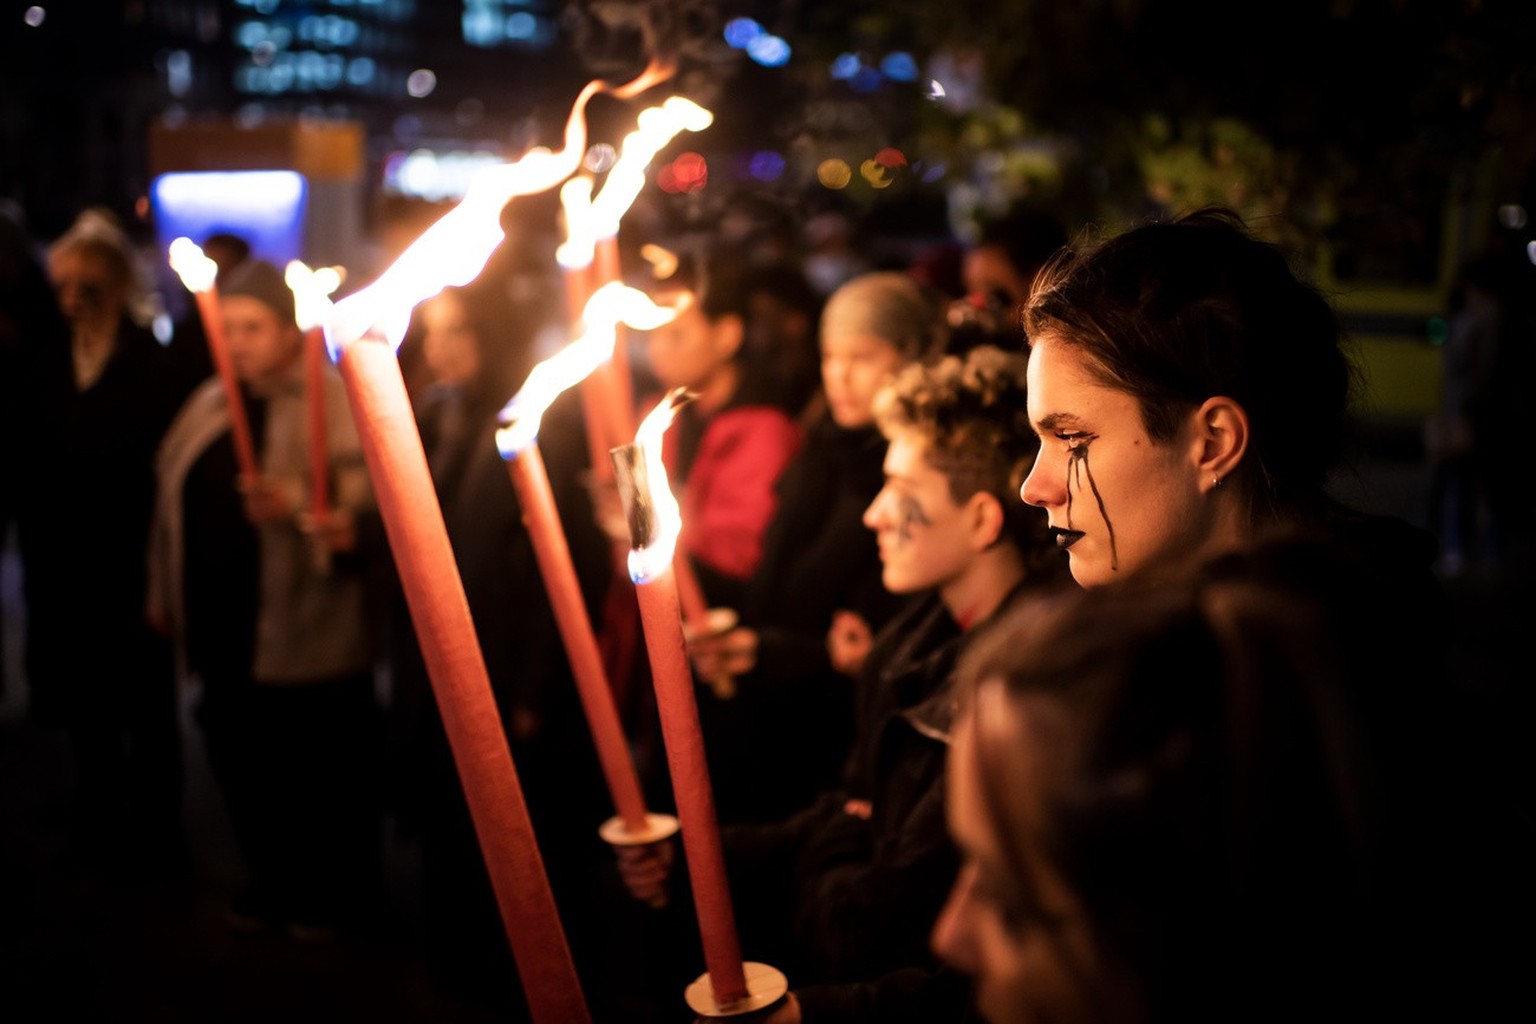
657,827
765,986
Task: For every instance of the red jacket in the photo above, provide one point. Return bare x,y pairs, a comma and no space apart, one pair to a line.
728,497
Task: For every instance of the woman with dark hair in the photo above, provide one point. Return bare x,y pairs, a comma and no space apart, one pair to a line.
727,447
1191,392
1192,395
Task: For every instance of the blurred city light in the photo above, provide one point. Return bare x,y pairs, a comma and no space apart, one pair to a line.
846,66
899,66
522,25
740,32
421,83
874,172
766,165
1512,216
34,16
178,72
687,173
426,174
834,173
264,207
769,51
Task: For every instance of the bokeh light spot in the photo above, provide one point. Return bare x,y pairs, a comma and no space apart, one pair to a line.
769,51
899,66
874,173
421,82
690,172
834,173
739,32
766,165
600,157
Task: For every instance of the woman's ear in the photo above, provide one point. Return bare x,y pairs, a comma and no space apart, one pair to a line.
1221,437
727,334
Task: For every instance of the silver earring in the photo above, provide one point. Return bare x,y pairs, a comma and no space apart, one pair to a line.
1215,480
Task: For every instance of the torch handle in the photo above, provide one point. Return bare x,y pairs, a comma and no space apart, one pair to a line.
434,593
319,456
218,350
531,480
681,733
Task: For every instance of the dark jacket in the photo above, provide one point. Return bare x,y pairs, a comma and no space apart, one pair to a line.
1429,800
862,894
87,485
818,558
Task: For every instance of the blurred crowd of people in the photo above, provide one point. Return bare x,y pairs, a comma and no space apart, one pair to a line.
1055,685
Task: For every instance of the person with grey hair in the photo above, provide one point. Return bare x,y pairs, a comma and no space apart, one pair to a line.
90,398
815,601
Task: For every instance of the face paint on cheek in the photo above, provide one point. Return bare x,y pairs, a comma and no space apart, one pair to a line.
909,514
1077,469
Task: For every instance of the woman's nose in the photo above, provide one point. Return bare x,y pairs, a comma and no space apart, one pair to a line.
1036,490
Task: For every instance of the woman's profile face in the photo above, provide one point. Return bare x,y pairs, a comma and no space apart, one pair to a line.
1116,500
854,367
689,350
1024,941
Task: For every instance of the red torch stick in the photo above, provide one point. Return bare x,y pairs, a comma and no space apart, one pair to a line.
319,461
633,825
439,609
517,442
197,272
729,987
369,323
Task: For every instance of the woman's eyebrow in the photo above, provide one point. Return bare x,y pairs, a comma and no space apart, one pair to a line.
1057,420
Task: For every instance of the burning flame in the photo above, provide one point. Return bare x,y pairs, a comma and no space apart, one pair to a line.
589,219
455,249
312,291
650,560
610,305
656,126
580,240
196,270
